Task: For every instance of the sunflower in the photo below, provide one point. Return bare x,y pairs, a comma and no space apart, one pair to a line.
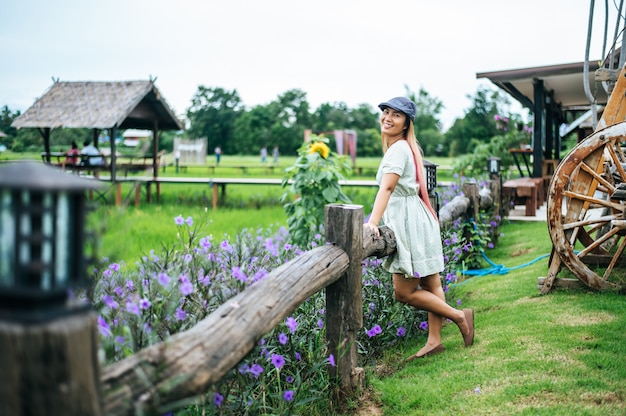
321,148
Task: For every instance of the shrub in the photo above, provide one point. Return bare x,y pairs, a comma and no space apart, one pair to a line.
315,174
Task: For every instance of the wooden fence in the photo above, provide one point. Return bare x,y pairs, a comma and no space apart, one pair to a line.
52,367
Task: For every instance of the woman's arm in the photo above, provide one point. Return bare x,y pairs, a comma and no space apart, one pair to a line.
387,185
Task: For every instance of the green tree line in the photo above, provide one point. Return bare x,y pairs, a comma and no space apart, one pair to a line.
221,116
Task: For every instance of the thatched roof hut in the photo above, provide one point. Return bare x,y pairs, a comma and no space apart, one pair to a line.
100,105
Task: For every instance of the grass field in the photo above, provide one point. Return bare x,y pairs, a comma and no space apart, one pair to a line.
558,354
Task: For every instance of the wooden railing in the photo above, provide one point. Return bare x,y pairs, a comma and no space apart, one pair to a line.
189,362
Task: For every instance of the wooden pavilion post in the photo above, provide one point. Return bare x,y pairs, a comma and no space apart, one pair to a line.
155,151
344,310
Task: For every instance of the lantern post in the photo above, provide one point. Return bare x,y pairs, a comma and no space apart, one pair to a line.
48,338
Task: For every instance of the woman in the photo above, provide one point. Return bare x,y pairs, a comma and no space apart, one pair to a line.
71,156
402,204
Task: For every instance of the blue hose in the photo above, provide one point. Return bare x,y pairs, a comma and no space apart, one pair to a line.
495,268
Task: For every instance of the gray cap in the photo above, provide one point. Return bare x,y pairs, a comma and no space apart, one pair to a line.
402,104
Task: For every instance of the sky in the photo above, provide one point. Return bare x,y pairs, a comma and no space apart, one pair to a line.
350,51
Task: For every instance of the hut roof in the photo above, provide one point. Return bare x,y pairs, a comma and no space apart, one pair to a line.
100,105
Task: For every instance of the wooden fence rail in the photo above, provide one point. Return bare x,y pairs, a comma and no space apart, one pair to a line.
188,363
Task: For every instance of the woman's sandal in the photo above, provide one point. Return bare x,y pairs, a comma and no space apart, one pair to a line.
436,350
468,338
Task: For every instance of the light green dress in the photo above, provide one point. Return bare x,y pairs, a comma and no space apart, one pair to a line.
419,251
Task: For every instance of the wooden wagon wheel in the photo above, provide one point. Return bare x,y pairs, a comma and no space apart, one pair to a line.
586,209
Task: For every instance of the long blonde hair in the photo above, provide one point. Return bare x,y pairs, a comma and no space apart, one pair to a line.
409,135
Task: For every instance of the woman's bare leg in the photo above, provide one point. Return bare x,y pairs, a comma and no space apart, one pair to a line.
427,294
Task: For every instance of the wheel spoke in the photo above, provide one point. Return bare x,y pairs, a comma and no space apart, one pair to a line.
596,244
597,201
617,255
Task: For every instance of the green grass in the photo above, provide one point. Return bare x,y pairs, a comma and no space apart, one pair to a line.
129,234
558,354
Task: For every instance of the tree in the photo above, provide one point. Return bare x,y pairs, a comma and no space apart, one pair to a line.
478,125
6,118
212,114
427,123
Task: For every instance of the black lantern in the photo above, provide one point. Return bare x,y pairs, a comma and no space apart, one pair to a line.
431,175
493,166
42,239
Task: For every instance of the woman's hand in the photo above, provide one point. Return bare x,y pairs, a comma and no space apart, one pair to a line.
373,227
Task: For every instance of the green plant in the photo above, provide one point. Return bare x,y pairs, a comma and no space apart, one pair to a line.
313,182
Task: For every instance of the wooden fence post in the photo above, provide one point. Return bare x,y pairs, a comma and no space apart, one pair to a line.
470,190
50,367
344,309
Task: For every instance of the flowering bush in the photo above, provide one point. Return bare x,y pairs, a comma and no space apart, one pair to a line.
174,288
465,239
315,180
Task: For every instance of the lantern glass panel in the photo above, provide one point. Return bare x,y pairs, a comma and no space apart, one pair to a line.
7,238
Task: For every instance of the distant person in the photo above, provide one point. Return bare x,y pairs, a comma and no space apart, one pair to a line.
218,155
90,151
263,154
275,154
71,156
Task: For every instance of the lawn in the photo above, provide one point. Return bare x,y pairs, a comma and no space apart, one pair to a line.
558,354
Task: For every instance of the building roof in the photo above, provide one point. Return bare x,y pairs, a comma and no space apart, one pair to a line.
100,105
565,81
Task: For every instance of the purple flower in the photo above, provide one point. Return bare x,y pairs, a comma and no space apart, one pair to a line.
289,379
186,288
164,279
187,258
239,274
256,370
103,327
205,242
288,395
180,314
320,323
282,338
217,398
423,325
108,301
458,302
114,266
331,360
132,307
179,220
298,356
144,303
401,332
292,324
375,330
226,246
278,360
189,221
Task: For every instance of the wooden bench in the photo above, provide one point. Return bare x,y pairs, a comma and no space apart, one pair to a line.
529,191
124,163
